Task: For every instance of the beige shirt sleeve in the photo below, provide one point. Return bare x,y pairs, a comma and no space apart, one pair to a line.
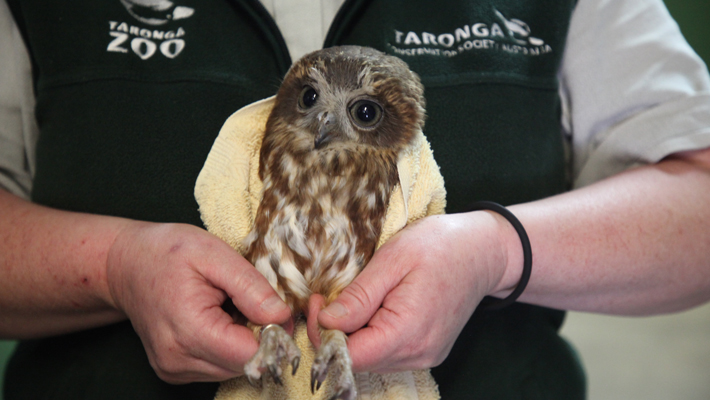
633,90
18,126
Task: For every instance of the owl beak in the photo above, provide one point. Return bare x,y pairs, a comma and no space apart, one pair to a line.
324,133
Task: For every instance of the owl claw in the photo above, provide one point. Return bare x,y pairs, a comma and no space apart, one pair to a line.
313,382
275,372
316,382
252,381
275,346
294,364
334,352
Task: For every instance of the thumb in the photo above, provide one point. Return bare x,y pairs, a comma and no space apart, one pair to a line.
359,301
250,292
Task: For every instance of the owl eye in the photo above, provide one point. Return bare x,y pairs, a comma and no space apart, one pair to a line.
366,113
308,97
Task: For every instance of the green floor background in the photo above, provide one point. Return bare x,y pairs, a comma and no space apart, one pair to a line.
693,16
5,351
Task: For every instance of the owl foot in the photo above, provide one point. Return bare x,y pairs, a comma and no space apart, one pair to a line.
275,345
334,352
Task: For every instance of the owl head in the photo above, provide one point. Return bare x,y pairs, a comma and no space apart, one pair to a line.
347,96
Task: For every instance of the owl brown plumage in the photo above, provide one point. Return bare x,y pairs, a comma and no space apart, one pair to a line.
328,163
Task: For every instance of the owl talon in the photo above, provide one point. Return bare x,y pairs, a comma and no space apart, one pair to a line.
294,364
334,352
313,382
252,381
316,380
318,374
275,372
275,346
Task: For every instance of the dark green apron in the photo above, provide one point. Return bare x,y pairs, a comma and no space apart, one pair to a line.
129,101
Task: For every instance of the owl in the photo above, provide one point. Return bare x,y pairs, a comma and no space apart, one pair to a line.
328,163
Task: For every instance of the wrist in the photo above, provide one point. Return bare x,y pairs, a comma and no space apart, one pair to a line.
118,256
514,247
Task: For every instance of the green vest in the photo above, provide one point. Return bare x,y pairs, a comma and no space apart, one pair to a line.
130,99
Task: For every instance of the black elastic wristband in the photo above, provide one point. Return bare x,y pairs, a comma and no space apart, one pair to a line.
496,304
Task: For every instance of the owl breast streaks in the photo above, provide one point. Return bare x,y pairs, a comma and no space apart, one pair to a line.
328,163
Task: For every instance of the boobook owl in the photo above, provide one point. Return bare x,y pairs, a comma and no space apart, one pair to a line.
328,163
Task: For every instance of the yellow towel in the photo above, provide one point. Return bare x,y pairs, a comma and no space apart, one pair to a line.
228,191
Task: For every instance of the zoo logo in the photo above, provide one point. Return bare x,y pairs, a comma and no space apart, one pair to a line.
145,42
510,35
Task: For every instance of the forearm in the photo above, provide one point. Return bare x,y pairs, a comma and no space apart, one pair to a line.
633,244
53,269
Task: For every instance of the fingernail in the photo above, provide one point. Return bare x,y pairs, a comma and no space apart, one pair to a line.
273,305
336,310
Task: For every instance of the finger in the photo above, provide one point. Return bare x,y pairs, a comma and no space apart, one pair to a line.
391,342
289,326
385,341
225,345
367,350
257,300
395,334
315,303
376,347
413,329
207,347
361,298
250,292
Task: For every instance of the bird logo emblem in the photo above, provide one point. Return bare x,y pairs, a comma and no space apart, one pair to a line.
156,12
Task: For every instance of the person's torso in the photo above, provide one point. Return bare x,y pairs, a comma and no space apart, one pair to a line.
129,98
131,94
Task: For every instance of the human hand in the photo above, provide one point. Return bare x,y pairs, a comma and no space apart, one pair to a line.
410,303
171,281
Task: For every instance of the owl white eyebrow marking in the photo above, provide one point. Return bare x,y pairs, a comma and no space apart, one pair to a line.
365,81
364,76
318,78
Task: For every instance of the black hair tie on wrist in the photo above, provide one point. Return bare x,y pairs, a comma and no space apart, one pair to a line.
497,304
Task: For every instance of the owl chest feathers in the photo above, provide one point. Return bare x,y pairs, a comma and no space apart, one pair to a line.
320,218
